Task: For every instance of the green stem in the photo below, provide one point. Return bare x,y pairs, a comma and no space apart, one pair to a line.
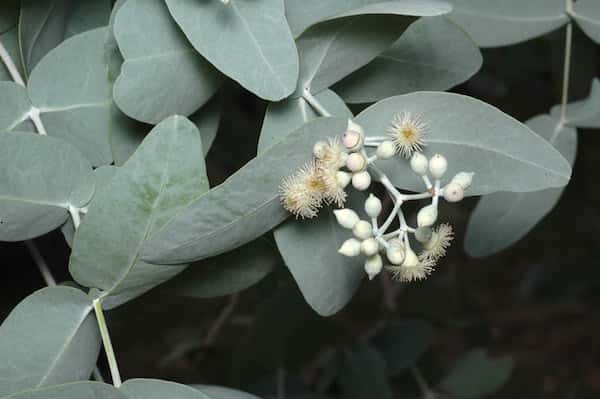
314,103
108,348
567,65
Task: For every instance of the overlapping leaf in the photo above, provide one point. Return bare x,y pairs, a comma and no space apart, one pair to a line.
10,41
76,390
249,41
504,154
503,218
50,338
162,177
499,23
157,389
587,15
40,177
244,207
9,13
331,50
14,105
162,75
585,113
433,54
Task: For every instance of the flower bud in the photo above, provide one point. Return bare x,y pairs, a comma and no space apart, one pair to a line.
453,192
369,247
355,162
319,149
343,179
418,163
438,166
350,247
411,259
362,230
386,150
423,234
395,253
373,206
463,179
427,216
354,136
373,266
361,180
346,218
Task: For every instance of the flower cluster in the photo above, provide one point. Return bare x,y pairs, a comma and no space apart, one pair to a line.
337,163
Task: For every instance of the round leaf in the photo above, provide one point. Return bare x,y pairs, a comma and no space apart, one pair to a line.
587,15
77,390
14,105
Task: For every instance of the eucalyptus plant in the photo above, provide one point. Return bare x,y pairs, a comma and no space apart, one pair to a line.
108,109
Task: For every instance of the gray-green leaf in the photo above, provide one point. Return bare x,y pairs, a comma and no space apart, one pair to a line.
433,54
476,375
215,392
50,338
284,117
40,177
501,23
585,113
14,105
162,74
504,154
249,41
76,390
587,15
157,389
70,88
10,41
331,50
501,219
244,207
163,175
228,273
9,14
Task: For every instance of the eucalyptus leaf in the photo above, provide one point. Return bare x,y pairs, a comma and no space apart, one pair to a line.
584,113
157,389
44,24
587,15
10,41
503,218
215,392
242,208
228,273
284,117
504,154
57,176
249,41
363,374
76,390
83,114
476,375
163,175
433,54
309,248
207,119
494,23
50,338
403,342
162,75
331,50
14,105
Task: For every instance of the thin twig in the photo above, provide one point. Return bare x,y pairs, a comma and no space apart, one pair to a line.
106,341
567,66
422,383
218,324
40,263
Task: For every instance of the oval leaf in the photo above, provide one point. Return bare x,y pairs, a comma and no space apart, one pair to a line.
475,137
157,389
57,176
501,219
162,75
249,41
215,392
10,41
585,113
163,175
241,209
331,50
14,105
500,23
50,338
433,54
76,390
587,15
70,88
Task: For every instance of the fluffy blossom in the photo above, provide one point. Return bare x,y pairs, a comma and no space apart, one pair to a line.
412,272
440,240
407,133
302,193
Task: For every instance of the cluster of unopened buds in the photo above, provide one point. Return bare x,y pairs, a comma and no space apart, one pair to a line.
339,163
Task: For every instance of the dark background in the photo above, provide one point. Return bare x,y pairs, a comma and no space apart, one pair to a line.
537,301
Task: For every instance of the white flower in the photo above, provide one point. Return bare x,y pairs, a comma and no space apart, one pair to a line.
453,192
333,191
330,154
412,269
386,150
369,247
440,240
302,193
463,179
354,137
438,166
427,216
373,206
373,266
362,230
408,133
346,218
350,247
361,180
356,162
419,163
